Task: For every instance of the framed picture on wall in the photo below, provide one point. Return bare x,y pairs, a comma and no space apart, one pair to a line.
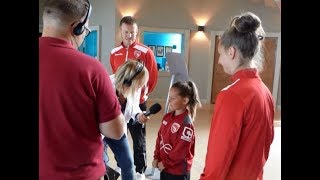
160,51
153,48
168,49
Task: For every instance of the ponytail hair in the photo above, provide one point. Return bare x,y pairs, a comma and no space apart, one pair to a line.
189,89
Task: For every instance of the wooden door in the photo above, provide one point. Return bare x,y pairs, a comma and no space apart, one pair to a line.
220,79
269,48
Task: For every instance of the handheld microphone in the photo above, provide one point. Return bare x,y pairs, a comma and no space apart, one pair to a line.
155,108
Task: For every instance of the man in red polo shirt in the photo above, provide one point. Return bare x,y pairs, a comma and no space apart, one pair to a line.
76,99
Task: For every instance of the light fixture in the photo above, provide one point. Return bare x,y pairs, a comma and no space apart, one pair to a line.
201,28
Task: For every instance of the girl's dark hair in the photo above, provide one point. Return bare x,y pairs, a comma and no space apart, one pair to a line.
245,33
188,89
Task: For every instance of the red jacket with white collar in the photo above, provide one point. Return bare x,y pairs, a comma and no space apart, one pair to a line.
136,51
175,143
241,130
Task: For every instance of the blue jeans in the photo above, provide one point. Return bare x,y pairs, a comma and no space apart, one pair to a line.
123,155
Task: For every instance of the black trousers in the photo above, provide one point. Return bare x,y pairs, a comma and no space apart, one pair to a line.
166,176
138,134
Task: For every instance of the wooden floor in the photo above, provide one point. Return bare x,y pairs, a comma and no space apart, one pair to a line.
272,169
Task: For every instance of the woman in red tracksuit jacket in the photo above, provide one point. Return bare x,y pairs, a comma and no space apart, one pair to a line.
174,150
242,125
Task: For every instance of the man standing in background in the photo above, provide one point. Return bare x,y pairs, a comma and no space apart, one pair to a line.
131,49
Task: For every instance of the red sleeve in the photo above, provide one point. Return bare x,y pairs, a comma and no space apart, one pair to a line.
106,100
151,65
156,154
224,136
112,63
182,146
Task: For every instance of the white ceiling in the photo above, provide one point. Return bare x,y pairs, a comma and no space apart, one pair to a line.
269,3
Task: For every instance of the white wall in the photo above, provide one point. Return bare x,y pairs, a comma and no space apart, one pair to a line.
104,15
199,63
40,11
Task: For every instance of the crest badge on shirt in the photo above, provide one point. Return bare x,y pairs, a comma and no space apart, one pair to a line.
187,134
175,127
137,53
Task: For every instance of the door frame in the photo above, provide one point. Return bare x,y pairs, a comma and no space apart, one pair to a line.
276,76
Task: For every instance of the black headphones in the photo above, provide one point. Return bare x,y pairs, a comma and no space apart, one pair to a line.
138,70
78,30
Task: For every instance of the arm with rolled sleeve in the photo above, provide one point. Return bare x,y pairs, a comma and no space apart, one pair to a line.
224,136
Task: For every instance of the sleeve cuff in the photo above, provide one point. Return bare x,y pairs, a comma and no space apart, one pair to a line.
136,117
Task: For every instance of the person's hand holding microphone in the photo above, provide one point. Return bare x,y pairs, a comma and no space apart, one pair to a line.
144,117
141,118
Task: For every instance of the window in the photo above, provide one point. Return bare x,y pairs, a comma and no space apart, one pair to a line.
165,40
91,44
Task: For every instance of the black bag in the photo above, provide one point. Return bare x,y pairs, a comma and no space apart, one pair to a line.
111,174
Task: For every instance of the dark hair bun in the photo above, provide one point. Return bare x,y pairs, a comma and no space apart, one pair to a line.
247,22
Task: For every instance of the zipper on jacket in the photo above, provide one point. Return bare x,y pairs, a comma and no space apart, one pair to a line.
127,48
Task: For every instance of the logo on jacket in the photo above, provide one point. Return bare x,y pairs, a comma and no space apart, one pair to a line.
175,127
187,134
118,54
166,147
137,53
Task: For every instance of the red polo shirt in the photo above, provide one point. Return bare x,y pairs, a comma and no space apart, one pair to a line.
75,95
